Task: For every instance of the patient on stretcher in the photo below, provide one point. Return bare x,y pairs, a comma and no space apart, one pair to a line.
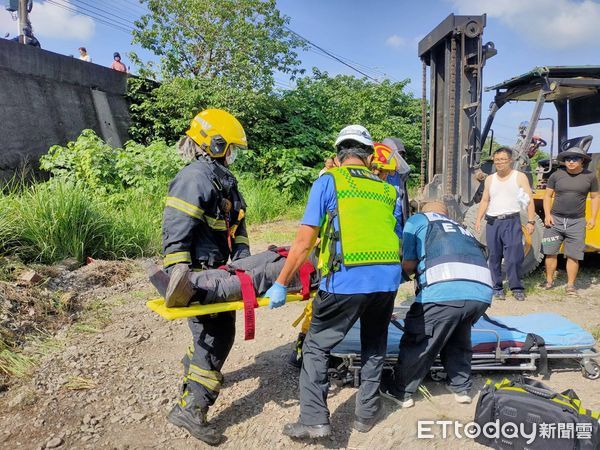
225,284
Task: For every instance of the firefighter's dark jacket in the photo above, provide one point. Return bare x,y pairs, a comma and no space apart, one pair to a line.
196,222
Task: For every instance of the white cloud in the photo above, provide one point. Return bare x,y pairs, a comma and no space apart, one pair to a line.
50,20
395,41
557,24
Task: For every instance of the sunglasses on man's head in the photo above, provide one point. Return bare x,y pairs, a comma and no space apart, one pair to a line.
573,158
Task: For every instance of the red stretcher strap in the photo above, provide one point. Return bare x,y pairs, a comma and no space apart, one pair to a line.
306,270
249,297
304,273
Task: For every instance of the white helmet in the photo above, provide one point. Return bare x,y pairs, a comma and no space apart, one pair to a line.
356,133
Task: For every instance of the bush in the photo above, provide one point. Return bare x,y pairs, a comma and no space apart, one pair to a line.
98,166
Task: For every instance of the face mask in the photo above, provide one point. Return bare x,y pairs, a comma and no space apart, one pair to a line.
231,155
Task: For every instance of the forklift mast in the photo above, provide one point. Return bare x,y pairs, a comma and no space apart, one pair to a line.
451,138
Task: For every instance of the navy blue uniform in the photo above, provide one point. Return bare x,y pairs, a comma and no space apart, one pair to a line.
203,227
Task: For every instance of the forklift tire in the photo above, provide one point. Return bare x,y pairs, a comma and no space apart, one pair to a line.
532,244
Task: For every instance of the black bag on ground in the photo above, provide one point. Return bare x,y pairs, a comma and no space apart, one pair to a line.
556,421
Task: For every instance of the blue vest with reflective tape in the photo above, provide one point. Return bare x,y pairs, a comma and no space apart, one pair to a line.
451,254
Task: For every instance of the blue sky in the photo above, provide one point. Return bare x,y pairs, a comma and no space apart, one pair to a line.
378,36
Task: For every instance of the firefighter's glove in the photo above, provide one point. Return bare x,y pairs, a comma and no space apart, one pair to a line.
277,294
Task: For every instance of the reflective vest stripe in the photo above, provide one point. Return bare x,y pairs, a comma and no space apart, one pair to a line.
455,271
215,224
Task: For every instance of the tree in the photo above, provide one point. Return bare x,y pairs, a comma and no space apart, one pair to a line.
242,42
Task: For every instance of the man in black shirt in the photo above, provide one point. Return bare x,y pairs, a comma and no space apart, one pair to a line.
565,221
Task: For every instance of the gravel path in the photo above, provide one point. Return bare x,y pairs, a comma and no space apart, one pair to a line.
112,389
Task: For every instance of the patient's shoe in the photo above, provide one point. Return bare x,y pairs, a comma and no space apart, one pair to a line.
158,278
180,290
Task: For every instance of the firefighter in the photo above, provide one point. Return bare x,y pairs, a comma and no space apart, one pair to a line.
203,227
345,205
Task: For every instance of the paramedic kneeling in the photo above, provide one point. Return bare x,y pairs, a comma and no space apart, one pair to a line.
454,288
354,211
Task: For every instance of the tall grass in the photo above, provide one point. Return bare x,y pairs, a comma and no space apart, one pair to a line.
8,222
48,222
266,202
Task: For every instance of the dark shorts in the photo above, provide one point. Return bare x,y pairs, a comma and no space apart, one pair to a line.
570,233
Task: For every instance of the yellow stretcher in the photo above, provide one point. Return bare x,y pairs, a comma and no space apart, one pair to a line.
195,309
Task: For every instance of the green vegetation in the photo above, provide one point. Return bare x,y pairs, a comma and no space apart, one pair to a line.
107,202
59,219
241,41
289,132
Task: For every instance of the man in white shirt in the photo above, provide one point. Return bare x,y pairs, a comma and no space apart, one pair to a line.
501,205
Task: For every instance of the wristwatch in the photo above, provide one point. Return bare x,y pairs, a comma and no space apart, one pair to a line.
532,222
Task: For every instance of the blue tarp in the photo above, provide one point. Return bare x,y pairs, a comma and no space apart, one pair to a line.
554,328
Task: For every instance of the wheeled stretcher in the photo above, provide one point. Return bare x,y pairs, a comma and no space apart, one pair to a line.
505,343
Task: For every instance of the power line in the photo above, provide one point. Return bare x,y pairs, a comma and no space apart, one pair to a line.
124,21
127,30
312,44
372,72
125,7
135,4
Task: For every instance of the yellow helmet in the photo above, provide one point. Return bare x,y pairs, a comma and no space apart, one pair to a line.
383,158
216,131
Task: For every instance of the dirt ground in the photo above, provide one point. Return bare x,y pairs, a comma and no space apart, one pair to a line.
111,387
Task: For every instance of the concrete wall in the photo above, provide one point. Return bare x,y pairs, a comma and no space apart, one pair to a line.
47,99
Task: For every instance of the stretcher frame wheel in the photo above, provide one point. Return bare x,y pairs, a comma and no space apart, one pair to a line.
590,369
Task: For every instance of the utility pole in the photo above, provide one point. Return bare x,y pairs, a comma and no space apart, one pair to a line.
23,21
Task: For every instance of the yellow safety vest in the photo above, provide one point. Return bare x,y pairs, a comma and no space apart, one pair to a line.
365,213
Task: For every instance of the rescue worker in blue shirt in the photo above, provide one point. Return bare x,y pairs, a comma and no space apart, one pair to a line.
350,208
204,226
454,289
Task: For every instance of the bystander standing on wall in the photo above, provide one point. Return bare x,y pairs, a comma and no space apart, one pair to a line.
565,218
117,64
84,55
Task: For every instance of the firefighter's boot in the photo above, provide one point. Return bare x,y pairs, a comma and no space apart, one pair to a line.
186,414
